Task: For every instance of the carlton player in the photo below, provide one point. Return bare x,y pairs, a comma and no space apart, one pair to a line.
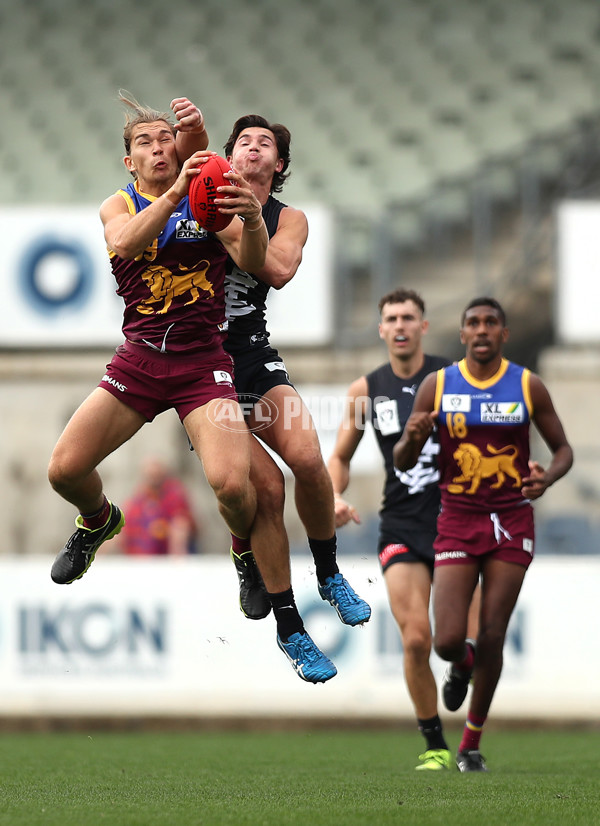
260,151
483,407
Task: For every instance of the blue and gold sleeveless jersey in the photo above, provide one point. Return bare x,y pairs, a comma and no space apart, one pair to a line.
484,436
174,291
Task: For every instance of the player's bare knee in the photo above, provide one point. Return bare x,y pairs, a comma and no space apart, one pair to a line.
62,475
308,466
271,494
449,649
233,492
416,644
490,640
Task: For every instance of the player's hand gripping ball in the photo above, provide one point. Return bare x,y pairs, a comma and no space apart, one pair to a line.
203,191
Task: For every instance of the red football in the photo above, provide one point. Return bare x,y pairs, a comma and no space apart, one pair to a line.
203,191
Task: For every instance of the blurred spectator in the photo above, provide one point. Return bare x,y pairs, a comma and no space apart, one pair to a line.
158,517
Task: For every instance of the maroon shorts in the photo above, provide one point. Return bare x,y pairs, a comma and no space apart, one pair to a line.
151,382
464,537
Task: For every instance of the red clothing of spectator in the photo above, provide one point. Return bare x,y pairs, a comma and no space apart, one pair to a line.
158,517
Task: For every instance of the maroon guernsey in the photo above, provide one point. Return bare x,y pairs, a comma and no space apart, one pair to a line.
174,291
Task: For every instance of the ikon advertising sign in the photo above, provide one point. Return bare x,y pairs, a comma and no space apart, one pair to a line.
166,637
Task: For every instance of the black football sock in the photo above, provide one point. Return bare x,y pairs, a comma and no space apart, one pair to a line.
324,554
286,614
432,732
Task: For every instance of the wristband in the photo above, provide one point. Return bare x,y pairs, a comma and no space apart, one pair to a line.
170,200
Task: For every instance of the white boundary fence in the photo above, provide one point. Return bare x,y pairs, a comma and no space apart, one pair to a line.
165,637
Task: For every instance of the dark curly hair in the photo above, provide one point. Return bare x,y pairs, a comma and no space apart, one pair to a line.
282,140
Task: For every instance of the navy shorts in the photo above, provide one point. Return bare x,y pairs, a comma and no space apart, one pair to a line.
406,546
258,370
151,382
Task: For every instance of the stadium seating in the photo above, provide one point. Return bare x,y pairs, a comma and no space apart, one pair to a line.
409,99
423,115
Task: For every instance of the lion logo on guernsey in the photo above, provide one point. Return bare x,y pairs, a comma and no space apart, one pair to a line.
475,467
165,285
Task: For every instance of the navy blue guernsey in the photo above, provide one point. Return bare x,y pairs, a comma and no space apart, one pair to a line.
246,295
410,498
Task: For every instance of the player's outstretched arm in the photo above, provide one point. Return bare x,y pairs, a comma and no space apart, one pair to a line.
191,130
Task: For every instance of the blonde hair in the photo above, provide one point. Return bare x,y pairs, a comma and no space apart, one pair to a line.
139,114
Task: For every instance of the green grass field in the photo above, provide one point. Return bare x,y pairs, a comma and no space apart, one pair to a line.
314,778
